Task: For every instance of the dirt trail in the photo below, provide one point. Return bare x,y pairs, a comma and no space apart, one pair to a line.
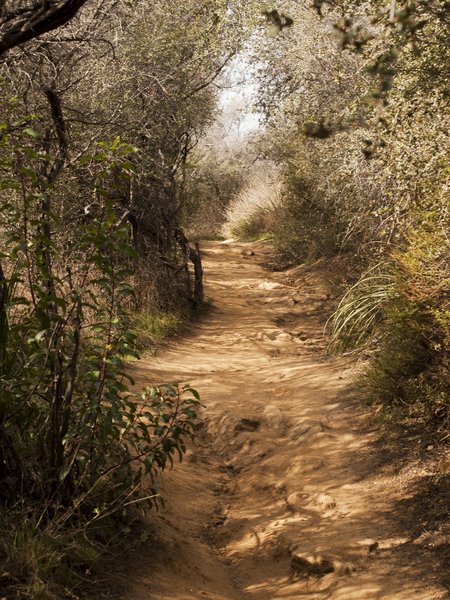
282,497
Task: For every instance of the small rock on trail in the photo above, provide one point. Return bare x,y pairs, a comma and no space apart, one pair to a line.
246,253
307,564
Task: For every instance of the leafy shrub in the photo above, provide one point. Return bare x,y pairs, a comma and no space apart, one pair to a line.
75,443
213,179
305,227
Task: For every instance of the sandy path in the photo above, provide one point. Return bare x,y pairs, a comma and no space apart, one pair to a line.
283,496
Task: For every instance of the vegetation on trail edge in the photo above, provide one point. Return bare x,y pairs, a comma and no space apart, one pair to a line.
102,103
103,171
356,104
78,450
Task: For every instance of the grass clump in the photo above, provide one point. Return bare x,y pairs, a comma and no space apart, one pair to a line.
152,328
402,308
51,559
40,561
363,307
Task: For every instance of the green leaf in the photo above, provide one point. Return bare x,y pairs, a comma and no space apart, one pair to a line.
64,471
31,132
40,335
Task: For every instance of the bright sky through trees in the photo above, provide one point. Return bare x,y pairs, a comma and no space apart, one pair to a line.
238,94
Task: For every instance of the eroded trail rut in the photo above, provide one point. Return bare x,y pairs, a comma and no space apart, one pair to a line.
280,497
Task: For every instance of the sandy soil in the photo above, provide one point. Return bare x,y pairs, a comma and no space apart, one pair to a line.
284,495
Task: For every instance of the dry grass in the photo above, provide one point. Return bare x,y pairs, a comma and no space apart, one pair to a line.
153,328
252,211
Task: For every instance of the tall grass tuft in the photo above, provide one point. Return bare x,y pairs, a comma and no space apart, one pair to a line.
363,307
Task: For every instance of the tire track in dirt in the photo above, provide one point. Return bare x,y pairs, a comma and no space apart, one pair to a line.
279,498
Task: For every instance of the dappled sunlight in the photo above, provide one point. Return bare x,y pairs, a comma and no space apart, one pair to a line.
283,468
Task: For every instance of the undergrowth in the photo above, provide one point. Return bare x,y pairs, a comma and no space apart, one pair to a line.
251,229
401,308
80,449
303,228
153,328
43,561
409,373
251,213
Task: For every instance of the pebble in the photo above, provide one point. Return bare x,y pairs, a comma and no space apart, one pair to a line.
325,501
295,501
444,465
306,564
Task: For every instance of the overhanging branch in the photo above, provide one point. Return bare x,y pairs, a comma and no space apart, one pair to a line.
41,17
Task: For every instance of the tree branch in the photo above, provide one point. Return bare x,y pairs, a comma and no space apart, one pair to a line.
42,17
61,133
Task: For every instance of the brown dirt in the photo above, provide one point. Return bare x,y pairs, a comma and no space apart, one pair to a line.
287,493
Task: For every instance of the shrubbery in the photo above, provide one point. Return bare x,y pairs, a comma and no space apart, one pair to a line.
357,121
76,444
413,363
92,254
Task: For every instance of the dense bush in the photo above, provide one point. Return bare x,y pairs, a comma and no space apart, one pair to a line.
213,178
357,107
413,362
75,443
